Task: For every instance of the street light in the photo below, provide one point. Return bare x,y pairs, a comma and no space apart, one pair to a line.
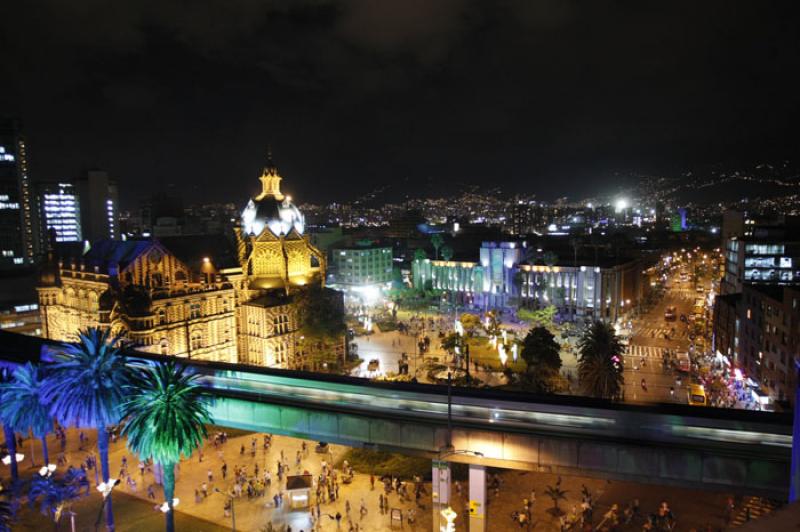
7,458
47,470
105,488
165,505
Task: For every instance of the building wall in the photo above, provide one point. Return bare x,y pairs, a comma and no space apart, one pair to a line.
270,335
361,266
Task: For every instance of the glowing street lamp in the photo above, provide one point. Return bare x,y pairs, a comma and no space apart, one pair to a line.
47,470
7,458
621,204
107,487
165,505
449,517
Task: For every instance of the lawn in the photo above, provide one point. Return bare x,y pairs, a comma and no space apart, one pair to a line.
482,351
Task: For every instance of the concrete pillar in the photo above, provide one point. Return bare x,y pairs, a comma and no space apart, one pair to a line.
440,490
477,498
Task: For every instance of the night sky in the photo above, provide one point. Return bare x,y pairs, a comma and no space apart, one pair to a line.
548,97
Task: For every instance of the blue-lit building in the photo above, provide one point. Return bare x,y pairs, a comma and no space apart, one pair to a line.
506,276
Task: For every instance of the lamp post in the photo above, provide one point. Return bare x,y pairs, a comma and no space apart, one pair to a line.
233,512
105,488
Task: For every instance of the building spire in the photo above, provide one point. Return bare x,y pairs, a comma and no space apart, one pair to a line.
270,179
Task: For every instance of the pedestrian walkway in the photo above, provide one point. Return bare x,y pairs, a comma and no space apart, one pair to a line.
753,508
659,332
646,351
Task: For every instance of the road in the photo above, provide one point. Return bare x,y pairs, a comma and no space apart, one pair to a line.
652,336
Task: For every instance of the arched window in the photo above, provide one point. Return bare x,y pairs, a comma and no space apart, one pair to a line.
164,346
162,317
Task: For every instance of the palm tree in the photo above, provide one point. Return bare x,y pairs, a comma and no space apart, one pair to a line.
8,429
86,387
165,417
600,362
23,406
437,240
557,494
54,495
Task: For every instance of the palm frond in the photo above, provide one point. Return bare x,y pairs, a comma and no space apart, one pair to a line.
23,406
86,384
165,412
600,366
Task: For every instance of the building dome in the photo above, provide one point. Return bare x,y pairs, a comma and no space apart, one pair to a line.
271,209
280,217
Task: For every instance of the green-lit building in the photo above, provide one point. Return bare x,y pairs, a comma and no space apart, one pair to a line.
362,271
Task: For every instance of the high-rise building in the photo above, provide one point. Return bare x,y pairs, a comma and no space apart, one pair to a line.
99,206
58,208
17,242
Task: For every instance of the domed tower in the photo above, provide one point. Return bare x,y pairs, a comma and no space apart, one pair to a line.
273,250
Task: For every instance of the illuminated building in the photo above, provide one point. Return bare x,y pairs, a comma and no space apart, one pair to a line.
765,254
99,206
17,241
196,296
141,290
362,271
58,208
276,259
502,278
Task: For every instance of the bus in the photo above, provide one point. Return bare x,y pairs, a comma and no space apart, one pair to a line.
697,395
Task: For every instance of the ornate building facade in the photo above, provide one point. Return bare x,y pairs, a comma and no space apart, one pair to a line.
188,297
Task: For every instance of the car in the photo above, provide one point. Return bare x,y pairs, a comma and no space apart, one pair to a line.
697,395
684,363
669,314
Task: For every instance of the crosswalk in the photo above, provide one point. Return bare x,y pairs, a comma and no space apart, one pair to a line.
659,332
646,351
753,507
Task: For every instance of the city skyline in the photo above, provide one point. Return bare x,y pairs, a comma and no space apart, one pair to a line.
527,96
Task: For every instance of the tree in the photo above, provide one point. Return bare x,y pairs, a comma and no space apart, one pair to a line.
8,430
55,494
447,252
600,362
420,254
450,342
470,322
86,387
549,258
437,240
541,317
557,494
320,311
23,405
166,412
540,350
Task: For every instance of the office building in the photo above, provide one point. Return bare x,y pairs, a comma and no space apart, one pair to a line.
58,209
766,254
99,206
17,239
362,271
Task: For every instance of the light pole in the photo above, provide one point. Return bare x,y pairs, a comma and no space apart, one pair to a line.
105,488
233,512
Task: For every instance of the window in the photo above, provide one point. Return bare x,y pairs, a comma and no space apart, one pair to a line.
195,311
162,317
281,324
196,340
164,346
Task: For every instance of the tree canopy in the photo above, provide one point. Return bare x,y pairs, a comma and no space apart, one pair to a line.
600,365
